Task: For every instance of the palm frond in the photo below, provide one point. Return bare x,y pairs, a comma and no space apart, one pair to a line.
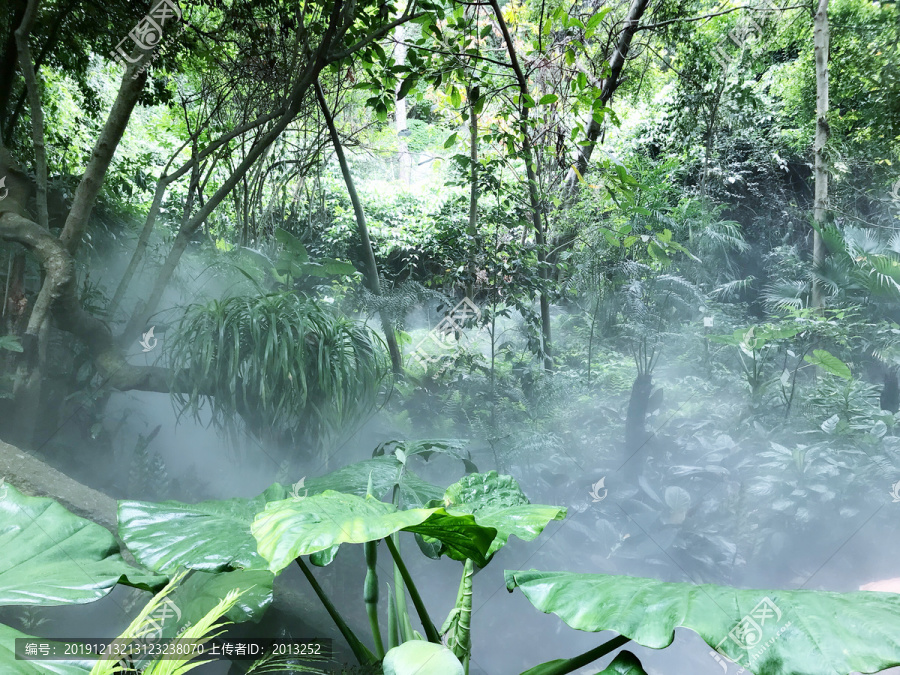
731,289
784,294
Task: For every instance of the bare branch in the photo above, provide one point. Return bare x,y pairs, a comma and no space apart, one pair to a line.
653,26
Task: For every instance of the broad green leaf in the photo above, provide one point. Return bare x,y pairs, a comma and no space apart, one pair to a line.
421,658
10,343
450,139
497,501
201,591
49,556
292,245
10,666
595,20
451,447
325,267
324,558
625,663
292,528
461,537
828,363
546,99
787,631
210,536
386,471
405,87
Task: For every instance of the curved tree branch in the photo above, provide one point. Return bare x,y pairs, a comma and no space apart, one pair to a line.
61,302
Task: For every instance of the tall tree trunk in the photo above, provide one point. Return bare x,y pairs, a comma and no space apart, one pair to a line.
371,267
472,229
616,63
32,87
533,194
27,387
101,156
16,10
710,135
821,37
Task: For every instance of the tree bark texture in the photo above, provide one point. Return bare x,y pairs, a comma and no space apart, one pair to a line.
533,194
372,278
821,37
610,84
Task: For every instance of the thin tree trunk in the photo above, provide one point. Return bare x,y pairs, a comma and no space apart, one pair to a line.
710,136
371,266
616,63
821,37
8,66
139,250
183,238
33,341
162,185
29,375
32,87
472,94
95,173
533,196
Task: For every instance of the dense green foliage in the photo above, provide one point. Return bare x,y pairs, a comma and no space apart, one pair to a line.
611,254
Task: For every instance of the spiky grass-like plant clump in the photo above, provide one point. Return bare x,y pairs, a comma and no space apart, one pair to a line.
289,367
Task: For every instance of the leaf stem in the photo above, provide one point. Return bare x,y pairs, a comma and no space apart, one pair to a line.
563,666
430,631
360,651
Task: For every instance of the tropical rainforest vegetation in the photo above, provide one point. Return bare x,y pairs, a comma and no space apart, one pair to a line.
312,310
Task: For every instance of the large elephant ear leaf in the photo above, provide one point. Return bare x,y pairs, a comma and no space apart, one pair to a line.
385,472
497,501
765,631
297,527
625,663
9,665
210,536
49,556
451,447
